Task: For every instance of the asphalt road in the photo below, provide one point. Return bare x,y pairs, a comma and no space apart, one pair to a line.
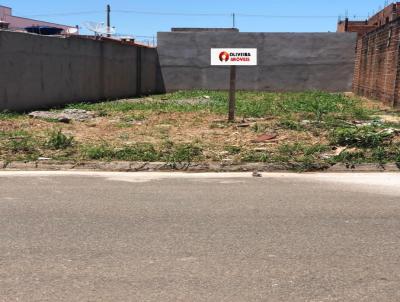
209,237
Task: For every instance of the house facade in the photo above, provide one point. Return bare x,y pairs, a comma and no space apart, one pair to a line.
14,22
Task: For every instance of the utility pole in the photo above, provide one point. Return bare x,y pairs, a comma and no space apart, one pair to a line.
108,20
233,20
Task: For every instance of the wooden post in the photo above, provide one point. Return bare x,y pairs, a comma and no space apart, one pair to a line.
232,94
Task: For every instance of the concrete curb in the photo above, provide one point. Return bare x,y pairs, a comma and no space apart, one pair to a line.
185,167
365,168
138,166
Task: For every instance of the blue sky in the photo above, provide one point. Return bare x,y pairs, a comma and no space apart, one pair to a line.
148,25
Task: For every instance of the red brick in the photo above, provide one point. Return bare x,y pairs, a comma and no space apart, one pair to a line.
377,66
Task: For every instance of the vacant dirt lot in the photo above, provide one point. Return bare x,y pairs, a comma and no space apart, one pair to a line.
301,130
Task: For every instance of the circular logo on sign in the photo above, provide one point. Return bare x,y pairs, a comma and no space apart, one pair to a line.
224,56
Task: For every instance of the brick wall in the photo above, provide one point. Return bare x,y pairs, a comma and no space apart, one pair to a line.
388,14
377,68
360,27
385,16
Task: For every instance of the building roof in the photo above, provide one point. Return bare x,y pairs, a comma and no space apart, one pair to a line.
21,22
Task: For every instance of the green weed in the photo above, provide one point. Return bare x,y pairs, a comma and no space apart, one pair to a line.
346,157
255,156
98,152
297,149
259,128
133,118
290,125
138,152
233,150
182,153
379,155
59,140
5,115
22,144
363,137
314,104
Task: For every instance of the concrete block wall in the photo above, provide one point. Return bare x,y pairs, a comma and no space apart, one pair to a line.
41,71
377,67
287,61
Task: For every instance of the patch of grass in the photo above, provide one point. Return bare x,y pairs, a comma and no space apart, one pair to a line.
124,136
169,103
259,128
315,149
397,158
21,145
297,149
183,115
5,115
105,108
290,125
124,125
98,152
307,163
182,153
18,145
315,105
346,157
390,125
363,137
379,155
102,113
133,118
233,150
59,141
15,133
146,152
256,157
301,157
138,152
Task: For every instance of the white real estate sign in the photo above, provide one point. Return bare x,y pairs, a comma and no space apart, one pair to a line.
234,56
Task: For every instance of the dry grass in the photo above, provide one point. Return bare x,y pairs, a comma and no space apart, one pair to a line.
185,127
303,132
